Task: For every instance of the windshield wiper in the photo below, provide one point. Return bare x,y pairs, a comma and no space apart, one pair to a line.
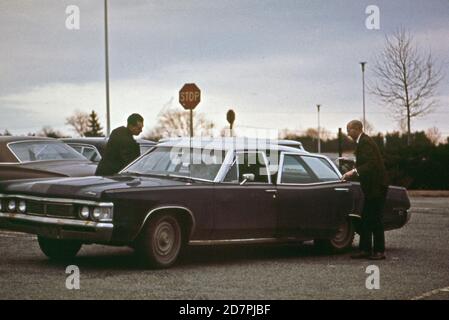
169,175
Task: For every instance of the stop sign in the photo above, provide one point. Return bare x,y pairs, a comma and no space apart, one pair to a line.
189,96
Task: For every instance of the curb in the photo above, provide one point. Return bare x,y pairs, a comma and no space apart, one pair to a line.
428,193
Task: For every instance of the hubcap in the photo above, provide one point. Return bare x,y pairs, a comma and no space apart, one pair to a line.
342,235
164,236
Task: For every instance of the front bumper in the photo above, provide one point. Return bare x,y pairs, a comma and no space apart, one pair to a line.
58,228
408,217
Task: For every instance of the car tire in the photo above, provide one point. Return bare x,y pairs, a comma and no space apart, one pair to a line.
161,241
57,249
341,242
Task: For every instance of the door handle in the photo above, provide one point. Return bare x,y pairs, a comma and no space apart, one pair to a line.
273,191
342,189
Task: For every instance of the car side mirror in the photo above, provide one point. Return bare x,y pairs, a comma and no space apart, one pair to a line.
247,177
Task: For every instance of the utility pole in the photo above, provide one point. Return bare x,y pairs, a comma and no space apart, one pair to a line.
319,129
108,116
340,143
363,88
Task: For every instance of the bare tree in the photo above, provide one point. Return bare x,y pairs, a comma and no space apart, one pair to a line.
175,123
79,121
6,133
406,79
434,135
313,133
48,131
368,128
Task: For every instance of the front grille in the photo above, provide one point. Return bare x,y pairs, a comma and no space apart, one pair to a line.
36,207
51,209
60,210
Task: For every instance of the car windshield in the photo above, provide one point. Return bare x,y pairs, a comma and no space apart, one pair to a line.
201,164
43,150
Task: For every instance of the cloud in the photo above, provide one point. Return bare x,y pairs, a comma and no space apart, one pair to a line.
270,62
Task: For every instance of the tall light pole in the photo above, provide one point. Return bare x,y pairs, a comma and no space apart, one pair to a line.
319,129
363,88
108,116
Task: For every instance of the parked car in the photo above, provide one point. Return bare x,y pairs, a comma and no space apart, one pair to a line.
291,143
93,148
220,193
282,142
36,157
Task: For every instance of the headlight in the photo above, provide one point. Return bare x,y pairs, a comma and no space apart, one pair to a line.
84,212
12,205
102,214
22,206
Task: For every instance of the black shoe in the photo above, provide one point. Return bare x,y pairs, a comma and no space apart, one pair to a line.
378,256
360,255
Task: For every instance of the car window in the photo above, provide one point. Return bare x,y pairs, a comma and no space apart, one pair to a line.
44,150
145,148
233,174
78,149
178,161
248,162
91,154
321,168
294,170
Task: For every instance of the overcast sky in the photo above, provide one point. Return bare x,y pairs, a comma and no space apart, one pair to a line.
270,61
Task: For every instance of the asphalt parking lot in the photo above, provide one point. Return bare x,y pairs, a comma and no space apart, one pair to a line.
417,267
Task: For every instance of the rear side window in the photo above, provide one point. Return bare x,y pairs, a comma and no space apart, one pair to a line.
43,150
295,171
248,162
91,154
321,168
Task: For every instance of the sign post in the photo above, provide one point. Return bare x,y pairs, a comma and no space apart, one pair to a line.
189,97
230,116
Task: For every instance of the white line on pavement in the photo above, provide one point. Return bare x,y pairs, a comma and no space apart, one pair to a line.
430,293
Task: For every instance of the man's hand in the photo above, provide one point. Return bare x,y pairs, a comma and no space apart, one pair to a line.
348,174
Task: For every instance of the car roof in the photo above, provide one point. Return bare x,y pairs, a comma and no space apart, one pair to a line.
7,156
289,142
87,140
4,140
8,139
237,143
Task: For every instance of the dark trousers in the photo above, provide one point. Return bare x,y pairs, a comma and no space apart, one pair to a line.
372,229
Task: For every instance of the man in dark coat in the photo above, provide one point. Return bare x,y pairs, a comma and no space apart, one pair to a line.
121,148
373,180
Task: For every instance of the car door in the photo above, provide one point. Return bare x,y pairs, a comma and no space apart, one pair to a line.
245,211
313,201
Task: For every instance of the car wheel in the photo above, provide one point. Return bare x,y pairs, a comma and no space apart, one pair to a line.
57,249
341,241
161,241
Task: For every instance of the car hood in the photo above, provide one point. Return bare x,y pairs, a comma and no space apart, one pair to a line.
85,188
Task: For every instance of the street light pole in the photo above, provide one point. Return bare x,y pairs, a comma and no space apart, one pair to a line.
363,88
108,116
319,129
